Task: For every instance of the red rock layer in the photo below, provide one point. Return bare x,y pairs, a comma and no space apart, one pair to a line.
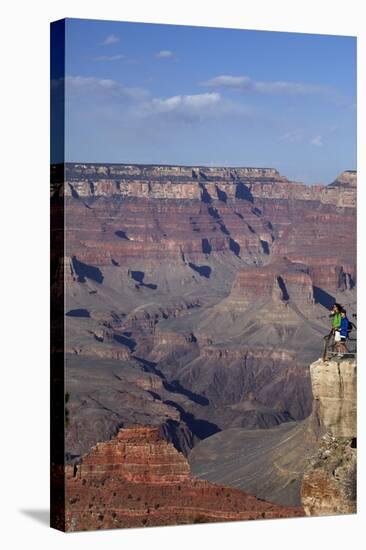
138,455
138,479
139,228
118,214
280,280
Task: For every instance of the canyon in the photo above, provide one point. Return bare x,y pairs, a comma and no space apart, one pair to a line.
195,300
309,463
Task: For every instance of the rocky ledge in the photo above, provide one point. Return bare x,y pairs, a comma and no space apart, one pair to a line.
329,482
334,390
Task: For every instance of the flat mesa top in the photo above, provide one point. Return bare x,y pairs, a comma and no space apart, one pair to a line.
163,165
160,174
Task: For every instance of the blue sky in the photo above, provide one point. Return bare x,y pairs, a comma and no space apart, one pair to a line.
169,94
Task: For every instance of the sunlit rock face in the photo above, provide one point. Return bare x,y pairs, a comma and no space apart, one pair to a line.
329,483
334,386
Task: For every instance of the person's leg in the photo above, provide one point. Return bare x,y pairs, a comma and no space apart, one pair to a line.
326,339
333,343
344,346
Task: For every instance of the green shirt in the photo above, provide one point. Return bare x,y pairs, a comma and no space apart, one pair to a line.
336,321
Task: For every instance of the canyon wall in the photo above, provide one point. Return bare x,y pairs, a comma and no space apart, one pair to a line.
189,182
329,483
189,214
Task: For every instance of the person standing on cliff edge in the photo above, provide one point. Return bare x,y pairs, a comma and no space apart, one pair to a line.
336,324
344,331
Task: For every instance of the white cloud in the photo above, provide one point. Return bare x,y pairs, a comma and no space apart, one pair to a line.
139,103
317,141
227,81
188,108
164,54
110,39
192,102
96,86
292,136
286,87
245,83
191,108
116,57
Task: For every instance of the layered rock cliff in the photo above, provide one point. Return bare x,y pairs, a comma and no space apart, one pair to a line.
190,182
138,479
191,214
329,483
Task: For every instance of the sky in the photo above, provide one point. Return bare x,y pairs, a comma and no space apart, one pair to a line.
170,94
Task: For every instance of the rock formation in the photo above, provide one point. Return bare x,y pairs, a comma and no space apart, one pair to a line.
348,178
280,280
183,182
334,391
138,479
329,483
